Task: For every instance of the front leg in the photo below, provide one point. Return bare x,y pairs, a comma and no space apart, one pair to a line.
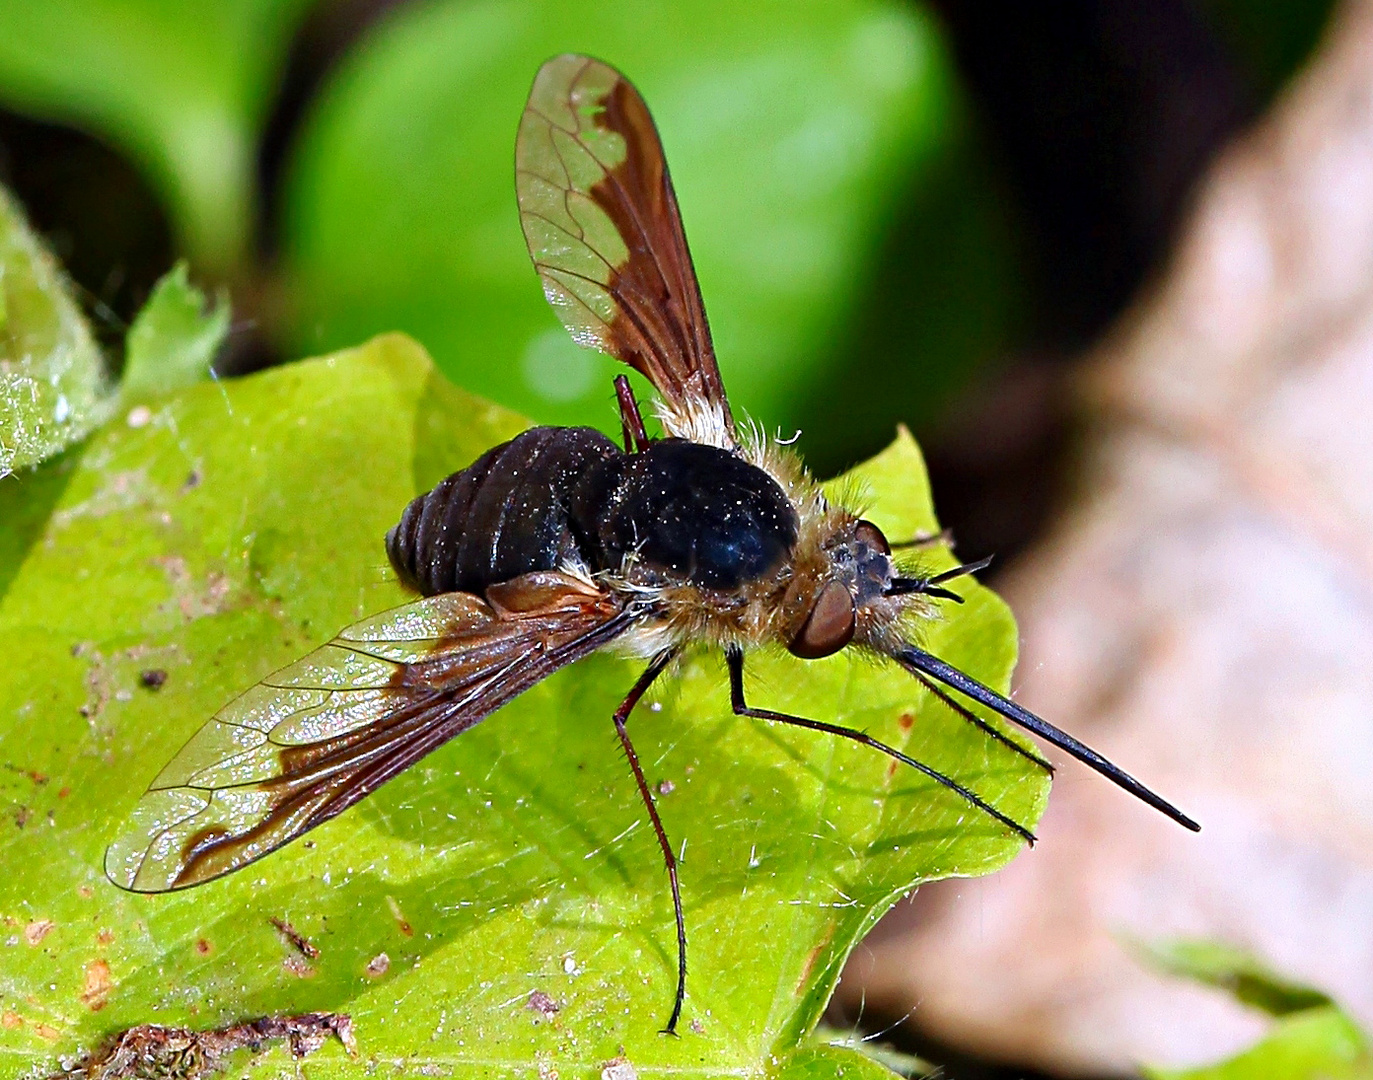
631,420
734,657
924,540
637,691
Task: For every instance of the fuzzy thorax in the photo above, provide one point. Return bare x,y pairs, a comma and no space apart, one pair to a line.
829,546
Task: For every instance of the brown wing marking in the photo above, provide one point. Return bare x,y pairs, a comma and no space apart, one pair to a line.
315,737
601,221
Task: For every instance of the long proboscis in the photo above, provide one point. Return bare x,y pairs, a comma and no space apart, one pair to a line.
919,662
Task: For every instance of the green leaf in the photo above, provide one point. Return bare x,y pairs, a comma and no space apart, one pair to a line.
1311,1040
174,339
1272,39
830,1063
241,526
1246,977
1315,1044
895,1060
183,88
791,131
52,376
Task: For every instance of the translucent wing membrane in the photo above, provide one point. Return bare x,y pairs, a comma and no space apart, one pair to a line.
315,737
601,221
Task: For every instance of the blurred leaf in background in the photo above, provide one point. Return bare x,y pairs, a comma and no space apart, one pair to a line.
941,300
1234,970
182,87
1311,1039
1272,38
1317,1044
53,383
861,245
236,525
52,376
792,132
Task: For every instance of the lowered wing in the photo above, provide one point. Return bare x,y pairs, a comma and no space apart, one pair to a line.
601,221
315,737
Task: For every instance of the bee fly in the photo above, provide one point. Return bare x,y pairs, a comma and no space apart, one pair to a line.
558,543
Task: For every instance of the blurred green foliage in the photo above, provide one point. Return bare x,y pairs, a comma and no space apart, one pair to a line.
181,86
1316,1044
844,221
54,387
1234,970
52,376
858,251
1272,37
1311,1038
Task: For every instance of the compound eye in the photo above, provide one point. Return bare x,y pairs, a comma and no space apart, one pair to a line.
868,533
829,626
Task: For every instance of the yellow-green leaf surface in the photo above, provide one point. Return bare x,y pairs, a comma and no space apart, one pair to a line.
183,87
52,377
241,526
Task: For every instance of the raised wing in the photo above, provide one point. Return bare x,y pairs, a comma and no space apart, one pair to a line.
601,221
315,737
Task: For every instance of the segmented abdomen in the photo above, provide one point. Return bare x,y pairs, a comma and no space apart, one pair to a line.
504,515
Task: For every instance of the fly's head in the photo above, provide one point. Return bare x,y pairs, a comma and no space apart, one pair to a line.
844,598
855,593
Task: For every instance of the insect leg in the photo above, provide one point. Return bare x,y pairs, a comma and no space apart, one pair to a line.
621,715
918,661
978,722
924,540
631,420
734,657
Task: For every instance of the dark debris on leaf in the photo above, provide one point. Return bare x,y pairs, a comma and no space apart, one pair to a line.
295,938
154,1050
541,1003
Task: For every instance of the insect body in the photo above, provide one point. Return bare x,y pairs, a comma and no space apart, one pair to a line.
558,543
679,512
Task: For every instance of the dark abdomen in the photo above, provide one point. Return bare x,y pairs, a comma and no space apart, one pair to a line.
504,515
